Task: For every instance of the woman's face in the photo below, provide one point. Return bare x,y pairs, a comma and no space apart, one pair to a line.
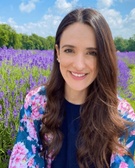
77,57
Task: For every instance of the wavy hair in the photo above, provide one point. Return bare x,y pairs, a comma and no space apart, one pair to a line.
99,137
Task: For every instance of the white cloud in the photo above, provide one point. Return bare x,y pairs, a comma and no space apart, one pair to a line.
131,16
64,6
120,26
28,7
129,24
45,27
104,3
113,18
11,21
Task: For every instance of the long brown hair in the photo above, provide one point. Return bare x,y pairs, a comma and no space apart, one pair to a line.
99,137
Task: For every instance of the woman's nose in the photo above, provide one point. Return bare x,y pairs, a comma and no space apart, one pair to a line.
79,62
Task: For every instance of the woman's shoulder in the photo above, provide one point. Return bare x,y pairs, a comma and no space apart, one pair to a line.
35,102
126,110
36,92
128,138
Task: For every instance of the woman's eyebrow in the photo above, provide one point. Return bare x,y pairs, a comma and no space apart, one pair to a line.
68,45
91,48
71,46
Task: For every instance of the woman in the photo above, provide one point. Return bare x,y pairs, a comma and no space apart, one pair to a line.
77,120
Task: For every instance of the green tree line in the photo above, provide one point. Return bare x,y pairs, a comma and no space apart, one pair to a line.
9,38
125,44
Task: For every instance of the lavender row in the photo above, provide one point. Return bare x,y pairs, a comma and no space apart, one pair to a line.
42,59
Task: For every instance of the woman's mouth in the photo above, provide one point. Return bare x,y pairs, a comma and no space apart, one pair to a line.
78,75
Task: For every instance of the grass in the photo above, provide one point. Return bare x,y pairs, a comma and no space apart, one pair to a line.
132,88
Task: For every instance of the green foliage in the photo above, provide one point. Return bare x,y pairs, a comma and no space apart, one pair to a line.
132,87
120,43
9,38
131,43
125,44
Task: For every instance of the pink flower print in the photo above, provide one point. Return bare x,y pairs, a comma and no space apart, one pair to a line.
129,144
29,138
112,157
25,117
37,104
123,165
132,132
31,129
125,107
21,128
131,114
18,155
19,148
33,92
30,163
35,113
122,152
27,101
26,104
33,148
28,97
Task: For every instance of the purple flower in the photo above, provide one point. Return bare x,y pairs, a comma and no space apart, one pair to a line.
124,74
9,151
0,107
1,95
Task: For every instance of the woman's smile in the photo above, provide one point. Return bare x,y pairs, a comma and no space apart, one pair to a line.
78,76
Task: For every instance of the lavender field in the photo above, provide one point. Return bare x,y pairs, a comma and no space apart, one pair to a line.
21,70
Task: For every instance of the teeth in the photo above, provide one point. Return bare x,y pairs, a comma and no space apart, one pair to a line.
78,75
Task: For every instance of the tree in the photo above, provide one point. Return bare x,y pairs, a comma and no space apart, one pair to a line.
131,43
26,42
51,41
120,43
36,41
4,35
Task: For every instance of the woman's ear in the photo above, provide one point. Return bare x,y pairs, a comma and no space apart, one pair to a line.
57,51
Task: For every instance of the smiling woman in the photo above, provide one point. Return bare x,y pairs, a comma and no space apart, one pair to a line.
77,119
78,62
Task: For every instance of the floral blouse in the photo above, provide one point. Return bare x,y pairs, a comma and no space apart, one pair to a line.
27,148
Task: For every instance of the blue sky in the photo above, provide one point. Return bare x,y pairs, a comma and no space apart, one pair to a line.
42,17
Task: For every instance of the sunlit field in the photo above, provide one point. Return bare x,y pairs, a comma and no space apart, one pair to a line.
22,70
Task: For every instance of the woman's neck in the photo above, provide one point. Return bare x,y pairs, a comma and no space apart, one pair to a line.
75,97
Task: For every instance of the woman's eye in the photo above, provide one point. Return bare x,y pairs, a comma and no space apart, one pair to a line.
94,53
68,50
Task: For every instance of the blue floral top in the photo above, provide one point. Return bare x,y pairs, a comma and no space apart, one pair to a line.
27,148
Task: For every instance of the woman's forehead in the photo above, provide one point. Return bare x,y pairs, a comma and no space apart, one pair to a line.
78,34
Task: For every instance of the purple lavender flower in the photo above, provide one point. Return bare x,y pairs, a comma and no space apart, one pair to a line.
9,151
1,95
0,107
124,74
